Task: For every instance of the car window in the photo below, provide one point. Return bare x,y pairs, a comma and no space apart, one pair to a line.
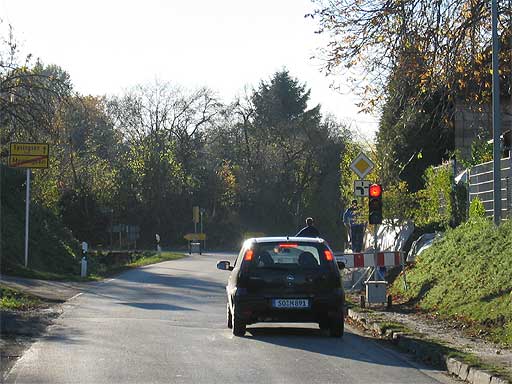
289,256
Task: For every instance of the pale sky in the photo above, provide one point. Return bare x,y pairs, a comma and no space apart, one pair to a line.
110,45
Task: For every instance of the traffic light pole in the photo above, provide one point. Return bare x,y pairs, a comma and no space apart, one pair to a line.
375,229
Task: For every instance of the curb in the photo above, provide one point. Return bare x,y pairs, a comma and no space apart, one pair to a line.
422,350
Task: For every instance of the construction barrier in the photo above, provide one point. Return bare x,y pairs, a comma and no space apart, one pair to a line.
367,259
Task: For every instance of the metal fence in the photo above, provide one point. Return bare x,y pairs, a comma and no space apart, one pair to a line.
481,185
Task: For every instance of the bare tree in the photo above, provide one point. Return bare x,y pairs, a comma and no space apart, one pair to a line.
444,44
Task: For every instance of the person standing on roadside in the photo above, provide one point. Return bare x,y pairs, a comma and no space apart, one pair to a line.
309,230
157,238
349,218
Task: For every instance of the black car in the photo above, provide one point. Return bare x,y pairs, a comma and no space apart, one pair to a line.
285,279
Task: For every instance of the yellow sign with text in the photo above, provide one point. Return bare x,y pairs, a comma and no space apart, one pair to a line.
29,149
195,236
28,161
29,155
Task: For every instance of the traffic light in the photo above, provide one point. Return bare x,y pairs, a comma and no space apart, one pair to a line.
375,204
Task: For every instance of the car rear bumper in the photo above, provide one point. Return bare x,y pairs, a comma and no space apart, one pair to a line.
258,308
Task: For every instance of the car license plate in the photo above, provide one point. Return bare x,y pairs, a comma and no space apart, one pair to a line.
290,303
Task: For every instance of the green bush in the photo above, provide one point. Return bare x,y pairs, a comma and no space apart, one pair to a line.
441,202
476,209
399,205
435,200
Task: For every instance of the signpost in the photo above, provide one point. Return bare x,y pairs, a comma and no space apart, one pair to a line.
28,155
195,236
362,165
361,188
195,216
194,239
132,233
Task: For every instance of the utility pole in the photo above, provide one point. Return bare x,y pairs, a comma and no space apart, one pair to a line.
496,118
27,215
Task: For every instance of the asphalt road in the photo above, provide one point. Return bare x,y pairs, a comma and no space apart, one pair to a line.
165,323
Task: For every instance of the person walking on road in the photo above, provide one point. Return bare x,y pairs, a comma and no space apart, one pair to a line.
309,230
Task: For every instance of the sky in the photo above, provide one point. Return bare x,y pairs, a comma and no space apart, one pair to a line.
108,46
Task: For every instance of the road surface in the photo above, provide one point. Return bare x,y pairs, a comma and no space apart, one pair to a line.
165,323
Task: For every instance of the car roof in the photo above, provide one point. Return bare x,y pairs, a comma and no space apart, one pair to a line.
285,239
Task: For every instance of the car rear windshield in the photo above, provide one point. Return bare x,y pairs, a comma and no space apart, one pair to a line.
289,256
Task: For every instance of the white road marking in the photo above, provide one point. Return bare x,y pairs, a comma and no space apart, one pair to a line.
74,297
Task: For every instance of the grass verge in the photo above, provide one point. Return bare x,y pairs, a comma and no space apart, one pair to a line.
465,278
392,326
21,271
98,269
147,258
12,299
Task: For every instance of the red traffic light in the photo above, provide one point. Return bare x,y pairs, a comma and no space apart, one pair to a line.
375,190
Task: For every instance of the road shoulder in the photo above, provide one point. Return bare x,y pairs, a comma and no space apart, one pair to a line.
436,347
19,328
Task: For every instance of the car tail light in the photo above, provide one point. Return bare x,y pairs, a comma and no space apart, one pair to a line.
288,245
328,255
248,255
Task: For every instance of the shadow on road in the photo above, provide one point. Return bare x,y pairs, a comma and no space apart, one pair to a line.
158,306
351,346
193,283
185,289
66,335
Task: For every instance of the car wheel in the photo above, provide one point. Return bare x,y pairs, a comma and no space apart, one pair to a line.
238,326
337,326
229,317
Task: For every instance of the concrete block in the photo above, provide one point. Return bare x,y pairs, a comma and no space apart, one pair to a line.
389,334
471,375
453,366
481,377
377,328
499,380
464,371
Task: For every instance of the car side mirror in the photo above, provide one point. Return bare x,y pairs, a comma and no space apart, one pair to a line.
224,265
341,265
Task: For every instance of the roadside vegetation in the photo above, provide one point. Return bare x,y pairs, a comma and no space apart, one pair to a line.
101,267
261,162
465,278
11,299
52,248
433,350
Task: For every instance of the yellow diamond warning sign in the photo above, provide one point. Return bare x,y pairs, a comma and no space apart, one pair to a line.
362,165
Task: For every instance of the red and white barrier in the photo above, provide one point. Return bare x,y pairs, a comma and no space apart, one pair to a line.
367,259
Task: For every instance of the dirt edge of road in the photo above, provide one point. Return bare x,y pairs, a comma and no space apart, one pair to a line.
20,329
433,352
